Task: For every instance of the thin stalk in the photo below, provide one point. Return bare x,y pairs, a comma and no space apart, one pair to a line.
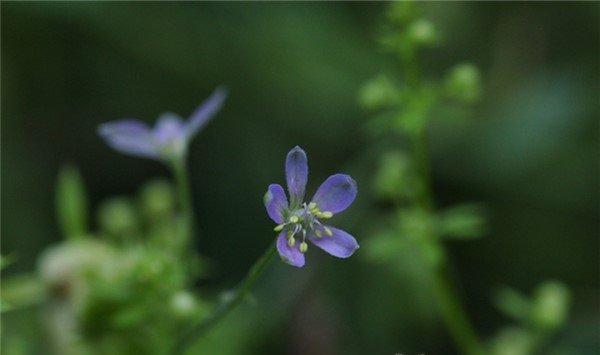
455,317
198,330
184,197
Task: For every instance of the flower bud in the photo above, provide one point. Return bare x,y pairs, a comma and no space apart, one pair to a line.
118,217
183,303
422,32
550,305
512,341
157,199
379,93
463,83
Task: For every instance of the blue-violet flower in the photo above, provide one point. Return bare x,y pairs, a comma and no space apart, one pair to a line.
299,221
170,137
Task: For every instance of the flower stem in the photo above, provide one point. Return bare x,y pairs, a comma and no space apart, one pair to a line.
455,317
184,197
221,310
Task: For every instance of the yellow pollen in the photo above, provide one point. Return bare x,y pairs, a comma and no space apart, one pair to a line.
279,228
294,219
326,214
291,241
318,234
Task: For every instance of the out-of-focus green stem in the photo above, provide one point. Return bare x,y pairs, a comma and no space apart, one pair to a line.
227,305
455,318
420,150
184,197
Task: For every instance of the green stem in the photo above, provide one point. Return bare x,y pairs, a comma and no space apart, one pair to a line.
226,306
185,200
455,317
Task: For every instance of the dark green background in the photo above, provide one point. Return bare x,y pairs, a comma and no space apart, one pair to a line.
530,153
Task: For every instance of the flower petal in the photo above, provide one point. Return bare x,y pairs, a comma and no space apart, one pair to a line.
129,136
296,173
336,193
340,244
206,111
290,255
275,202
169,127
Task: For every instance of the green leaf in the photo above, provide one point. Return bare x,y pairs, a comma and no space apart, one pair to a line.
20,292
384,247
551,303
462,222
512,303
6,260
71,203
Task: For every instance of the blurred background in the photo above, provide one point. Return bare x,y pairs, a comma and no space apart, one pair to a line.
294,70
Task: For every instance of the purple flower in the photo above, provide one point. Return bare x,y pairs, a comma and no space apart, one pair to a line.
170,136
298,221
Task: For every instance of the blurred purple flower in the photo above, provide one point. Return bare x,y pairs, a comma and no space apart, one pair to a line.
170,136
305,221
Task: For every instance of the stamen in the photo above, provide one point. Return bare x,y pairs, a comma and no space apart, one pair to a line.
328,231
318,234
294,219
303,247
291,241
279,227
326,214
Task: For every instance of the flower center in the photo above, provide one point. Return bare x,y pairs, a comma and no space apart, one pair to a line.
304,221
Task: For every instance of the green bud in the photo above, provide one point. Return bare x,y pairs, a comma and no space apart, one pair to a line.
183,304
71,203
157,199
379,93
422,32
118,217
463,83
512,341
550,305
